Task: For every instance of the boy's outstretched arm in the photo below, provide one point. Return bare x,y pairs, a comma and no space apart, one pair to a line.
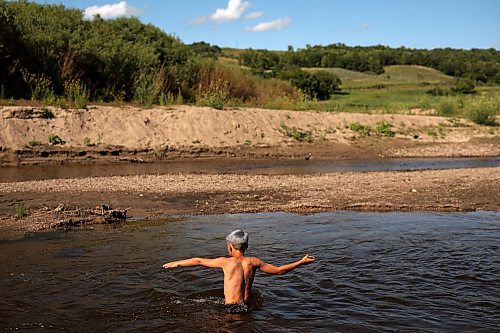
271,269
213,263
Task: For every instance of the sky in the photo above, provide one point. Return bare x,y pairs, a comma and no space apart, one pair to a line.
276,24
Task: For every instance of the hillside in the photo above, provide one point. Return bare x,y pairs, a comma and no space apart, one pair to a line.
394,74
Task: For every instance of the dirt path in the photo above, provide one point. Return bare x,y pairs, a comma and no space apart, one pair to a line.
155,195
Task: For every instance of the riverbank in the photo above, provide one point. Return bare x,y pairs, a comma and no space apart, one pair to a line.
153,196
105,134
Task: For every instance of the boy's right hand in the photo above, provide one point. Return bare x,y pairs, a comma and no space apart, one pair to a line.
308,259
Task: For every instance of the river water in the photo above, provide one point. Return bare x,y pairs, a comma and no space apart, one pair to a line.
242,166
375,272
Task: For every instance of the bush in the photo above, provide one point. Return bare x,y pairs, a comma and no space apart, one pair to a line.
483,110
20,212
464,86
384,128
54,139
296,133
76,93
34,143
215,96
46,114
319,85
361,129
447,107
40,85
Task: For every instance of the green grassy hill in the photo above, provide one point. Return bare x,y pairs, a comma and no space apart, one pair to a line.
393,75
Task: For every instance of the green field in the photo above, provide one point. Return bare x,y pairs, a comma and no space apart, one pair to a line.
405,89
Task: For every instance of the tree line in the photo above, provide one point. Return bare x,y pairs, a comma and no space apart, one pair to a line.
44,49
50,52
480,65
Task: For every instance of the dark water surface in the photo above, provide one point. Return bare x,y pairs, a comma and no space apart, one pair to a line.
375,272
241,166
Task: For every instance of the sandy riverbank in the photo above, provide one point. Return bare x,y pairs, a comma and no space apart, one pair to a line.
111,134
155,195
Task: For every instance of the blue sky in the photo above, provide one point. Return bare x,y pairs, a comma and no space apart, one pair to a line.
275,24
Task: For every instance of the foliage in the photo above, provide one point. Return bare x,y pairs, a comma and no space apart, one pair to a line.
464,86
363,130
40,85
46,113
447,107
483,110
319,85
20,212
54,139
76,93
34,143
384,128
477,64
215,96
296,133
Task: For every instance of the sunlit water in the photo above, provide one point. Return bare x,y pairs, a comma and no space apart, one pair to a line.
394,272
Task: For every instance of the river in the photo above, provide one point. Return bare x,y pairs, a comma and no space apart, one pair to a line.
375,272
242,166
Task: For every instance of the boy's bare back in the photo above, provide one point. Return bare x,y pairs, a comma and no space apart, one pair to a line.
239,270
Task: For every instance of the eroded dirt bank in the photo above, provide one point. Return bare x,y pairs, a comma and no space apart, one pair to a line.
111,134
155,195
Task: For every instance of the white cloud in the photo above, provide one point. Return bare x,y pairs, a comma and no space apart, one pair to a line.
254,15
233,11
365,26
109,11
273,25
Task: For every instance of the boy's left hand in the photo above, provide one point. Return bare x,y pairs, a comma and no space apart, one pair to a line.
169,265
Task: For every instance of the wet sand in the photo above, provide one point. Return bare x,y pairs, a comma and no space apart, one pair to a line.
153,196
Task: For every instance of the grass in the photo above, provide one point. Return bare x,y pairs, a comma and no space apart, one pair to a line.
384,128
20,212
296,133
54,139
363,130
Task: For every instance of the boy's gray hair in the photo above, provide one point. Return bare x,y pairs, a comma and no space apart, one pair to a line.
239,239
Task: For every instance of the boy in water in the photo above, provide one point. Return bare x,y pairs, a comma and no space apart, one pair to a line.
239,270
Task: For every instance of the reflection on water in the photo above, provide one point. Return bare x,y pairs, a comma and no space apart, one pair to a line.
241,166
406,272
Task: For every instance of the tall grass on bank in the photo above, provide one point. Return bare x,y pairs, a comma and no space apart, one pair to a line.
221,84
482,109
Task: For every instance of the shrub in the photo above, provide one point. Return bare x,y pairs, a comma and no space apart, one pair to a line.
361,129
464,86
76,93
321,85
46,114
432,133
34,143
447,107
384,128
20,212
296,133
215,96
483,110
40,85
54,139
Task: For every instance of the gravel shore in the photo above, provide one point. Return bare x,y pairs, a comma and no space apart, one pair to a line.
156,195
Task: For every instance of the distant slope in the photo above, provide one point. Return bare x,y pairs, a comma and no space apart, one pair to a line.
414,73
397,75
